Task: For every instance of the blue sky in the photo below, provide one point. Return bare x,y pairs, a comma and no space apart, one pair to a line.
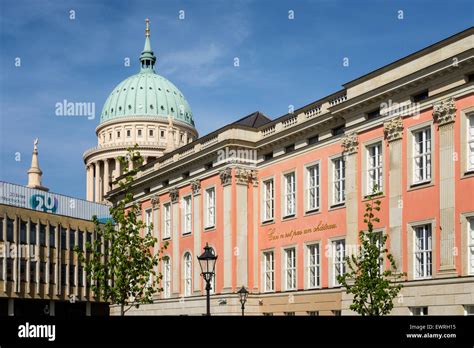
282,62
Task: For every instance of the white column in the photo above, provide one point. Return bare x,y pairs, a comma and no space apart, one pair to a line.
444,114
226,180
196,188
97,181
394,133
176,257
242,177
350,146
90,182
106,177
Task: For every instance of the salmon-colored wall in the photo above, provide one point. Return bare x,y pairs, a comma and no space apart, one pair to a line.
419,204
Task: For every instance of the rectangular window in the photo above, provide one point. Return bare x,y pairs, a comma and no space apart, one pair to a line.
80,276
470,142
374,169
72,239
42,272
422,156
312,188
9,230
269,271
22,270
470,245
268,156
63,274
187,215
9,269
139,132
148,221
338,130
339,180
128,133
166,277
373,114
419,311
42,234
1,230
150,132
52,270
290,194
52,236
63,238
290,269
210,207
423,251
469,309
23,228
80,242
339,264
166,220
33,227
313,266
118,135
290,148
313,140
32,271
72,271
420,96
268,200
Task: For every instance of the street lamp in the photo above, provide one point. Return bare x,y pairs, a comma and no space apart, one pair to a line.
207,261
243,294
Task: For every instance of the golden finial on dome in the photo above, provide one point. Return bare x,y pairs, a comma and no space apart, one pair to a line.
147,28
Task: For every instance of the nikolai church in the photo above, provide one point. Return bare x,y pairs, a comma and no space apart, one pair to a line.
282,224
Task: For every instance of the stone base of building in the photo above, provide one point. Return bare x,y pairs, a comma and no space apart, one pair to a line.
443,296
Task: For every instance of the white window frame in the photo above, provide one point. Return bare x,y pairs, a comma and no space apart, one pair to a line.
166,220
268,271
268,211
290,269
313,190
289,196
423,254
470,141
422,172
339,177
188,274
313,266
187,215
166,277
338,258
210,207
374,167
148,220
470,245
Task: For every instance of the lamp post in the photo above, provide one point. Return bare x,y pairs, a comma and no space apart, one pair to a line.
207,261
243,294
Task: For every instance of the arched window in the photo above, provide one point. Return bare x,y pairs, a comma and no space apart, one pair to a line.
188,274
166,277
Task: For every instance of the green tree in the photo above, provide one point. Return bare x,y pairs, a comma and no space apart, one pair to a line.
373,287
120,261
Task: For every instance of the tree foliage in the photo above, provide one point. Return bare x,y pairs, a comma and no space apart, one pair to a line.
373,286
122,258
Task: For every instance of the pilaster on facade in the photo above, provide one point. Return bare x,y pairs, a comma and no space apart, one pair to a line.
196,187
350,146
444,114
393,130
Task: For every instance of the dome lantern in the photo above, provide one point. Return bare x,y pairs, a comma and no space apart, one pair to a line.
147,58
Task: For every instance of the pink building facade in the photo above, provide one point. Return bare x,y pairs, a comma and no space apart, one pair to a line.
282,201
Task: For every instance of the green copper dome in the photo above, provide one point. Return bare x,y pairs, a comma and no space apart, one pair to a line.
147,94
